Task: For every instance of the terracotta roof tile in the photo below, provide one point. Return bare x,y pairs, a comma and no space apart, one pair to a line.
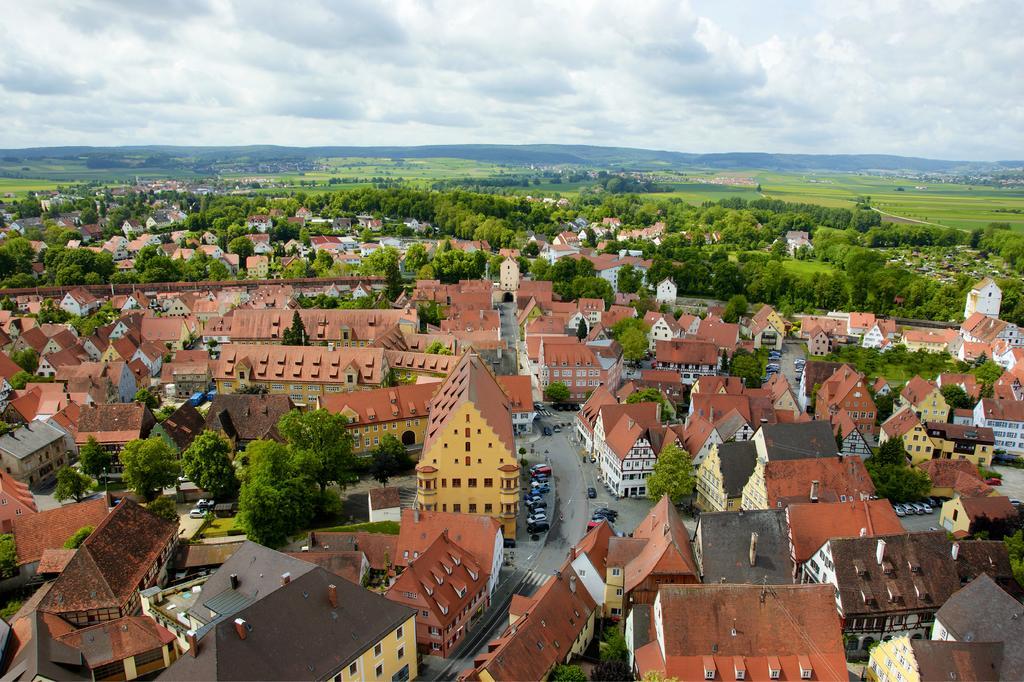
812,524
49,529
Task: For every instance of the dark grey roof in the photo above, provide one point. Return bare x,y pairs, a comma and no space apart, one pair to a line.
294,633
725,547
736,462
802,440
958,660
816,372
983,612
30,438
641,615
259,572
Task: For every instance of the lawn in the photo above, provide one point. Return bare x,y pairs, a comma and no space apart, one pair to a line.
386,527
221,527
807,267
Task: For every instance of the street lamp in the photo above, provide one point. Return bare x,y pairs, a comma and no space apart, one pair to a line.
104,480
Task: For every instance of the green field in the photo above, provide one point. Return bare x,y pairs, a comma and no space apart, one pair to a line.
960,206
807,267
19,187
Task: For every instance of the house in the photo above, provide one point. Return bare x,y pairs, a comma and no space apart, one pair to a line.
723,474
470,415
963,515
549,628
628,440
480,535
577,365
658,552
16,501
982,329
852,439
741,632
955,477
99,584
337,328
905,426
985,297
114,425
1006,419
767,328
258,267
779,483
181,427
519,389
665,327
303,373
692,359
887,586
586,418
749,547
399,411
79,302
796,240
384,504
816,373
446,583
244,418
880,335
352,633
922,659
259,222
925,398
812,524
976,444
508,278
187,377
930,340
48,530
983,612
846,390
665,292
33,453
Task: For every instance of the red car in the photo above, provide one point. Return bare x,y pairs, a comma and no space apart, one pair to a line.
994,481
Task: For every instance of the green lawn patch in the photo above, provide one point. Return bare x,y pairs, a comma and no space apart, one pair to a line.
386,527
221,528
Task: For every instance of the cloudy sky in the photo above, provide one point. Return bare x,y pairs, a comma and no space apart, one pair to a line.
937,78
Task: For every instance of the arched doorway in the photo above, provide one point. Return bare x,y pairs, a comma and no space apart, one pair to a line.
408,438
507,298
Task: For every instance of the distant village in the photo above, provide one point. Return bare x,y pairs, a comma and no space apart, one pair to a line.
791,515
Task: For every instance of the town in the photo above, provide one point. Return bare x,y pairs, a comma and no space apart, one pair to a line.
405,435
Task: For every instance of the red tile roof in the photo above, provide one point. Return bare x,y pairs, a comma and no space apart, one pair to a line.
49,529
790,481
475,533
811,525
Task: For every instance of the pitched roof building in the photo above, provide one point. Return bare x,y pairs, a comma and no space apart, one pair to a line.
744,547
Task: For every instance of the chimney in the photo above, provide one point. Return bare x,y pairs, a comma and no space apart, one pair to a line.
863,532
285,579
241,629
753,549
416,514
572,583
234,581
880,551
193,643
332,595
955,550
814,491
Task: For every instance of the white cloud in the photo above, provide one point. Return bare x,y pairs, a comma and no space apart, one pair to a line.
939,78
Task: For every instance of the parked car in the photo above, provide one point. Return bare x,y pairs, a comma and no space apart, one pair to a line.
542,487
539,517
206,504
536,504
1015,502
541,527
899,509
540,469
606,510
547,430
591,493
197,513
992,480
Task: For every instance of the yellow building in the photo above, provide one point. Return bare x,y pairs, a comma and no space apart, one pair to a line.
723,474
957,441
906,426
399,411
902,659
469,462
926,400
959,514
931,341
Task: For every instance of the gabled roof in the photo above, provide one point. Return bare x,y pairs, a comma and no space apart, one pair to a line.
916,390
737,460
667,548
727,541
183,425
247,416
406,401
983,612
811,525
476,533
994,508
803,440
900,423
830,478
99,576
114,422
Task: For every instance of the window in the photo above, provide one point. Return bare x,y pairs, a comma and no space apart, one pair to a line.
109,670
615,571
456,482
378,649
488,508
471,482
456,508
352,668
709,674
379,670
618,591
401,652
488,482
773,674
472,508
398,633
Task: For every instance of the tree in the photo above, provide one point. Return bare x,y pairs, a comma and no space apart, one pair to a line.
295,335
27,359
93,459
416,257
614,647
383,467
568,673
611,671
78,537
241,246
71,485
277,497
150,465
627,323
630,279
556,392
987,372
735,308
893,476
8,556
891,452
746,366
207,462
581,329
652,395
672,475
164,508
19,379
956,397
391,446
634,344
146,397
437,348
321,443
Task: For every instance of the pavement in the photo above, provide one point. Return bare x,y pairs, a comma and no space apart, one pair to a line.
791,351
